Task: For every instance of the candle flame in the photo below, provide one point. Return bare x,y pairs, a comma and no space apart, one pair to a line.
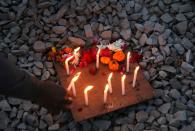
76,76
76,50
106,88
88,88
123,77
129,54
110,76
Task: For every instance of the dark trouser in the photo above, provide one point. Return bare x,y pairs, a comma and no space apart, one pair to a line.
15,82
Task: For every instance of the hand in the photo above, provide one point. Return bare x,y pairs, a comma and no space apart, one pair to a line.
53,96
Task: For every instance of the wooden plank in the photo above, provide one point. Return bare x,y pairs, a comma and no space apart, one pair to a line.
142,92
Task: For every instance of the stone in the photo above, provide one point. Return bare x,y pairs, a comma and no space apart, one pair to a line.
161,40
152,40
141,116
4,120
185,8
54,127
49,64
126,34
30,119
42,124
38,64
159,59
45,75
179,48
22,126
187,128
36,71
175,83
88,30
102,124
106,34
24,48
174,93
148,26
158,27
189,56
165,108
180,17
181,27
61,12
187,67
186,43
14,101
143,39
161,120
124,128
162,74
166,18
39,46
181,115
124,23
4,105
59,29
26,105
76,41
48,119
139,27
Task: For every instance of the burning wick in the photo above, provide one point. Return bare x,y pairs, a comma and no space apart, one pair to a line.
109,82
106,93
72,84
128,57
135,75
123,84
67,66
97,58
86,94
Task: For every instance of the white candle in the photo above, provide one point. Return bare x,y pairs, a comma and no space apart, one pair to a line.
106,93
67,66
109,82
135,75
97,58
86,94
76,50
127,65
123,84
72,83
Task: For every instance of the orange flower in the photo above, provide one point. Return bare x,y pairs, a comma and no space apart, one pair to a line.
119,56
67,50
113,65
105,60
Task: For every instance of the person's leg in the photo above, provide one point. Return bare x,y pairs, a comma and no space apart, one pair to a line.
17,83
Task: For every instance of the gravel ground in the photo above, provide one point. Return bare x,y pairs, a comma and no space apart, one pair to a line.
163,29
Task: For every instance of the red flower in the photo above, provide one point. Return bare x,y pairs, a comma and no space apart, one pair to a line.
135,57
105,52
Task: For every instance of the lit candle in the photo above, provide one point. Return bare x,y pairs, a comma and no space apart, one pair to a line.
86,94
76,50
127,65
106,93
97,58
67,66
109,82
72,83
135,75
123,84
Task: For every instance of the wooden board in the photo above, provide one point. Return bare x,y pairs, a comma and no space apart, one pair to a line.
142,92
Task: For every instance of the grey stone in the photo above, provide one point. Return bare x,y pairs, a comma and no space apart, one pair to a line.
38,64
39,46
162,74
181,115
126,34
4,120
141,116
124,127
48,119
174,93
181,27
22,126
185,8
42,124
148,26
106,34
14,101
167,33
161,40
179,48
24,48
59,29
45,75
166,18
187,67
152,40
139,27
102,124
76,41
49,64
180,17
36,71
187,128
4,105
88,31
164,128
162,120
61,12
186,43
175,83
158,27
189,56
143,39
165,108
54,127
124,23
26,105
30,119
